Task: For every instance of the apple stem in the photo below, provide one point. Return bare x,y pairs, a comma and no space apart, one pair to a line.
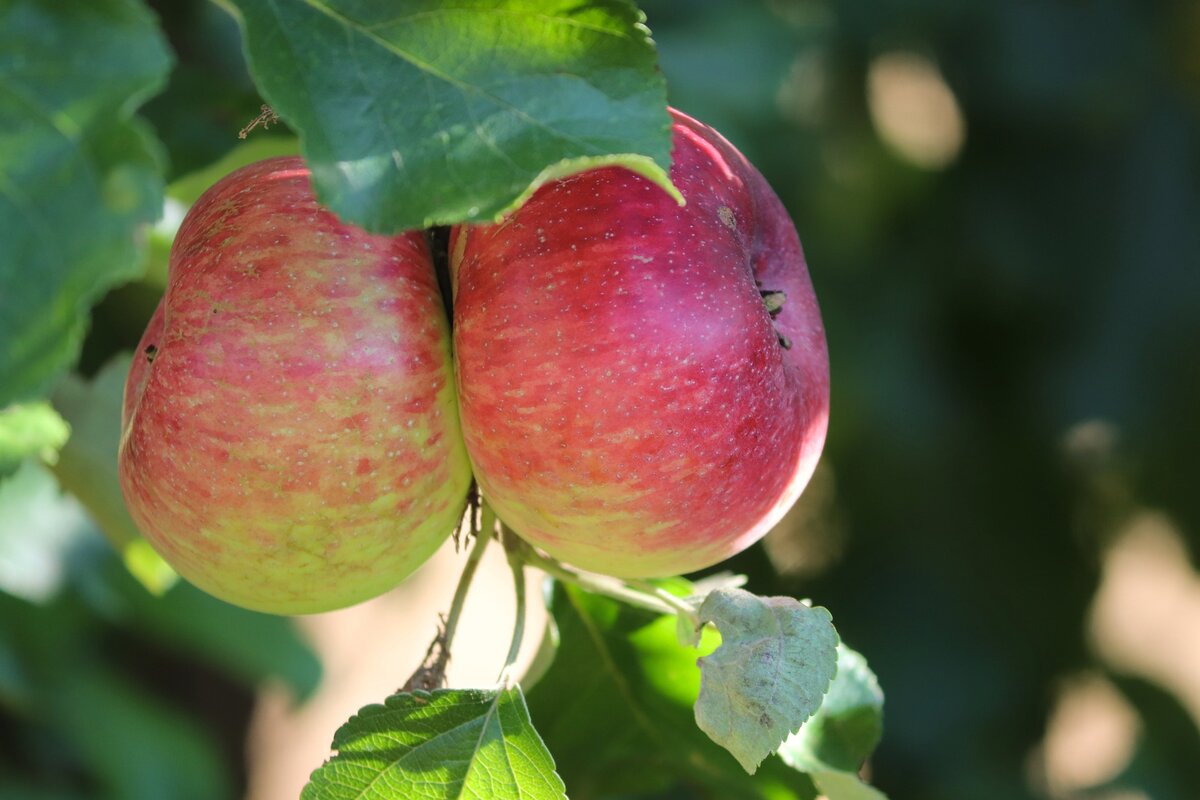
432,672
487,528
515,550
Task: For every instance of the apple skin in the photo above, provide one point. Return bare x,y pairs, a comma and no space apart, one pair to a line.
290,437
626,401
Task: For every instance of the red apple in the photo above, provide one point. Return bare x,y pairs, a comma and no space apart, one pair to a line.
628,402
290,437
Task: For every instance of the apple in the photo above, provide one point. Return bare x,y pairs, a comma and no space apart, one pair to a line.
290,437
633,400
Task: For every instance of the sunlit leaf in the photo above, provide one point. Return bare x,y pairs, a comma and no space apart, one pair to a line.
38,527
615,708
445,744
836,785
29,429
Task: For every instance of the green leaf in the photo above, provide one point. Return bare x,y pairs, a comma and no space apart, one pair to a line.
845,730
87,466
247,645
82,717
413,113
769,675
78,175
445,744
29,429
138,748
615,708
17,791
836,785
835,742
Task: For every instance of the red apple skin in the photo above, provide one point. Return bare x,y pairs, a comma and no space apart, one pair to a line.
290,435
625,399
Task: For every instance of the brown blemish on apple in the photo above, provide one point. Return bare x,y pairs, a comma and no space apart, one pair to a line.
725,214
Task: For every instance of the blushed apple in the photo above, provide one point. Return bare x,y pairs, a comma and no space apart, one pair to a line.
290,436
634,399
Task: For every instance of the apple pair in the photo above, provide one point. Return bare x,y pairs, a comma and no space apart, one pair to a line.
639,388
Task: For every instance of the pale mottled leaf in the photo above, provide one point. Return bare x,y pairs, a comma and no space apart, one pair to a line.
776,660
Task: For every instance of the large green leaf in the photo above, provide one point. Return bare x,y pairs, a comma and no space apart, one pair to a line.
78,174
444,745
416,112
615,709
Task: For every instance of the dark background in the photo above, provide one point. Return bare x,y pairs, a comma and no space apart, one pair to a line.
1014,325
1014,337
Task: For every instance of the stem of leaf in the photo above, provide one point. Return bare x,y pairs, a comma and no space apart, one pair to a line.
611,587
515,549
682,607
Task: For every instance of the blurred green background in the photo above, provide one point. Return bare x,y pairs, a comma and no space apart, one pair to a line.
1000,205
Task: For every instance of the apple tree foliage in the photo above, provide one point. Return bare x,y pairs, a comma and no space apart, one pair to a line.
410,114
